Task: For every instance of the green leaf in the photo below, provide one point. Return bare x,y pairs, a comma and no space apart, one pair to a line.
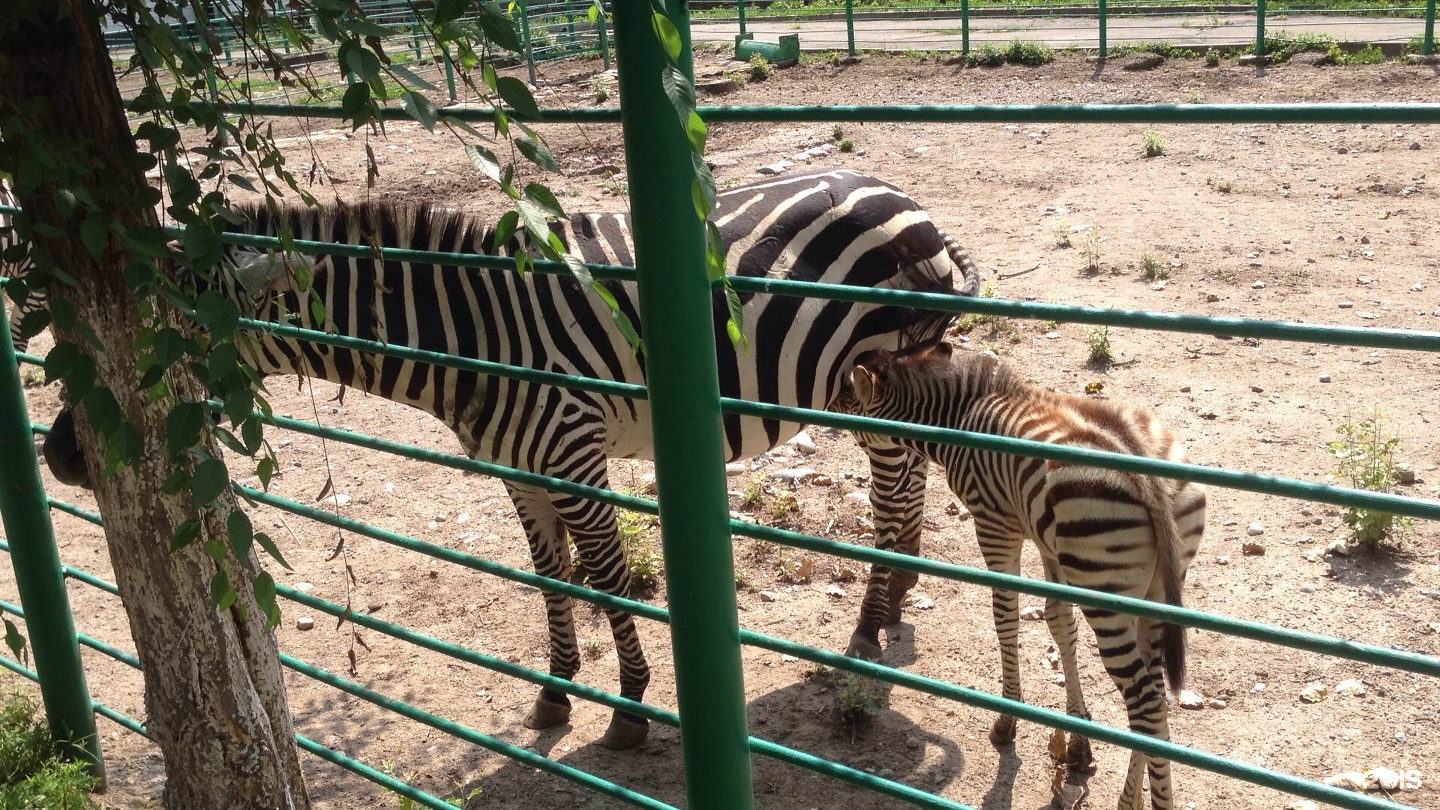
668,34
264,588
252,432
16,642
242,534
103,410
498,27
505,228
175,482
228,439
545,198
355,105
265,471
269,545
95,233
680,92
714,252
484,160
359,60
412,78
735,325
536,222
538,153
123,447
218,314
182,427
516,94
702,188
185,534
221,592
209,481
696,131
578,269
169,345
202,245
449,10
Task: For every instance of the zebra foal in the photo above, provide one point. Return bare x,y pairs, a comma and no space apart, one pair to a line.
832,226
1112,531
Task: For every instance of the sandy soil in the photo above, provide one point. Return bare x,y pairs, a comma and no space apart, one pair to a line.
1329,224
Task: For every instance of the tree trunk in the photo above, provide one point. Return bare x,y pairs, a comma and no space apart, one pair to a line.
214,694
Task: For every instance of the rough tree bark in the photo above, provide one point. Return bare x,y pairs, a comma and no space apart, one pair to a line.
214,693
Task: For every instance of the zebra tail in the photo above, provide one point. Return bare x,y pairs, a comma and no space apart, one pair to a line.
969,270
1168,565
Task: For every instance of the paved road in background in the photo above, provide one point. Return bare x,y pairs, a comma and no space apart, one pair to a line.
943,33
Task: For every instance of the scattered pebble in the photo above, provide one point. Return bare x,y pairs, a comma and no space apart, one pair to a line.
1325,378
1257,389
1308,587
1347,304
735,468
337,499
304,623
463,517
304,587
1222,560
823,481
1255,529
803,443
1350,687
921,602
1216,703
1190,700
793,474
859,497
1259,285
769,596
1184,389
1338,547
1253,548
1314,693
835,591
1052,335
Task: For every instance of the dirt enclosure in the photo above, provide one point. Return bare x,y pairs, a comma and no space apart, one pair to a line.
1316,223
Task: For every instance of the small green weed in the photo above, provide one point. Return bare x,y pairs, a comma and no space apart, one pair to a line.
1366,452
1368,55
760,68
1091,251
1154,145
32,376
857,702
1153,268
1212,58
847,145
601,90
1062,236
838,133
753,496
1281,45
646,566
1098,338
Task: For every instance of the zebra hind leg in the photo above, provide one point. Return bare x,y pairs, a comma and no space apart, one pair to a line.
551,557
1060,619
594,529
897,498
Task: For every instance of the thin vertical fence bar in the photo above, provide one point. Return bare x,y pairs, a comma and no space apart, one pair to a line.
1428,45
740,13
850,25
1260,27
449,70
26,516
675,307
1104,19
965,27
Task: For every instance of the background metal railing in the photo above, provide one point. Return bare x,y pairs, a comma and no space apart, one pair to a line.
12,418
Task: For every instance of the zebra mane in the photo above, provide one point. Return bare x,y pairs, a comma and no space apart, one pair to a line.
365,222
962,374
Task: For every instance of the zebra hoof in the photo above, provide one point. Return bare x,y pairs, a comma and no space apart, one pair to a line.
1003,732
625,732
863,648
1077,754
549,711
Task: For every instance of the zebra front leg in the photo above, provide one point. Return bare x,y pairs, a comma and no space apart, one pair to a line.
593,527
1001,550
550,555
897,500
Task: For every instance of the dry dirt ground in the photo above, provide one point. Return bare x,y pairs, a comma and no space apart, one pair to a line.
1318,223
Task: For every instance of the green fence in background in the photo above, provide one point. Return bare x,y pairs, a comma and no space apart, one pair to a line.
692,502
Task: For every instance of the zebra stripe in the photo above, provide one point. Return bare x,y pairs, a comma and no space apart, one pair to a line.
834,226
34,299
1111,531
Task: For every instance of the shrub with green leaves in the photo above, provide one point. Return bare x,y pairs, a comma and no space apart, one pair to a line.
1154,145
1366,452
32,771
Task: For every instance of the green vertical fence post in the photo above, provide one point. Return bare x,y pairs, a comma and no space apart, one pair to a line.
600,22
26,515
965,27
1259,27
1103,19
1428,46
676,310
449,70
524,11
415,29
740,12
850,24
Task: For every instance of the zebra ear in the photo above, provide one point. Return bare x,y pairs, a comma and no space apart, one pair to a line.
866,385
941,349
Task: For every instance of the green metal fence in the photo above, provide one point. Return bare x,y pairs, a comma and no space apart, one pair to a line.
1086,24
692,504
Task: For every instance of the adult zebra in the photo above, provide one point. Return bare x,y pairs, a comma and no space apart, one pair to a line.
835,226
